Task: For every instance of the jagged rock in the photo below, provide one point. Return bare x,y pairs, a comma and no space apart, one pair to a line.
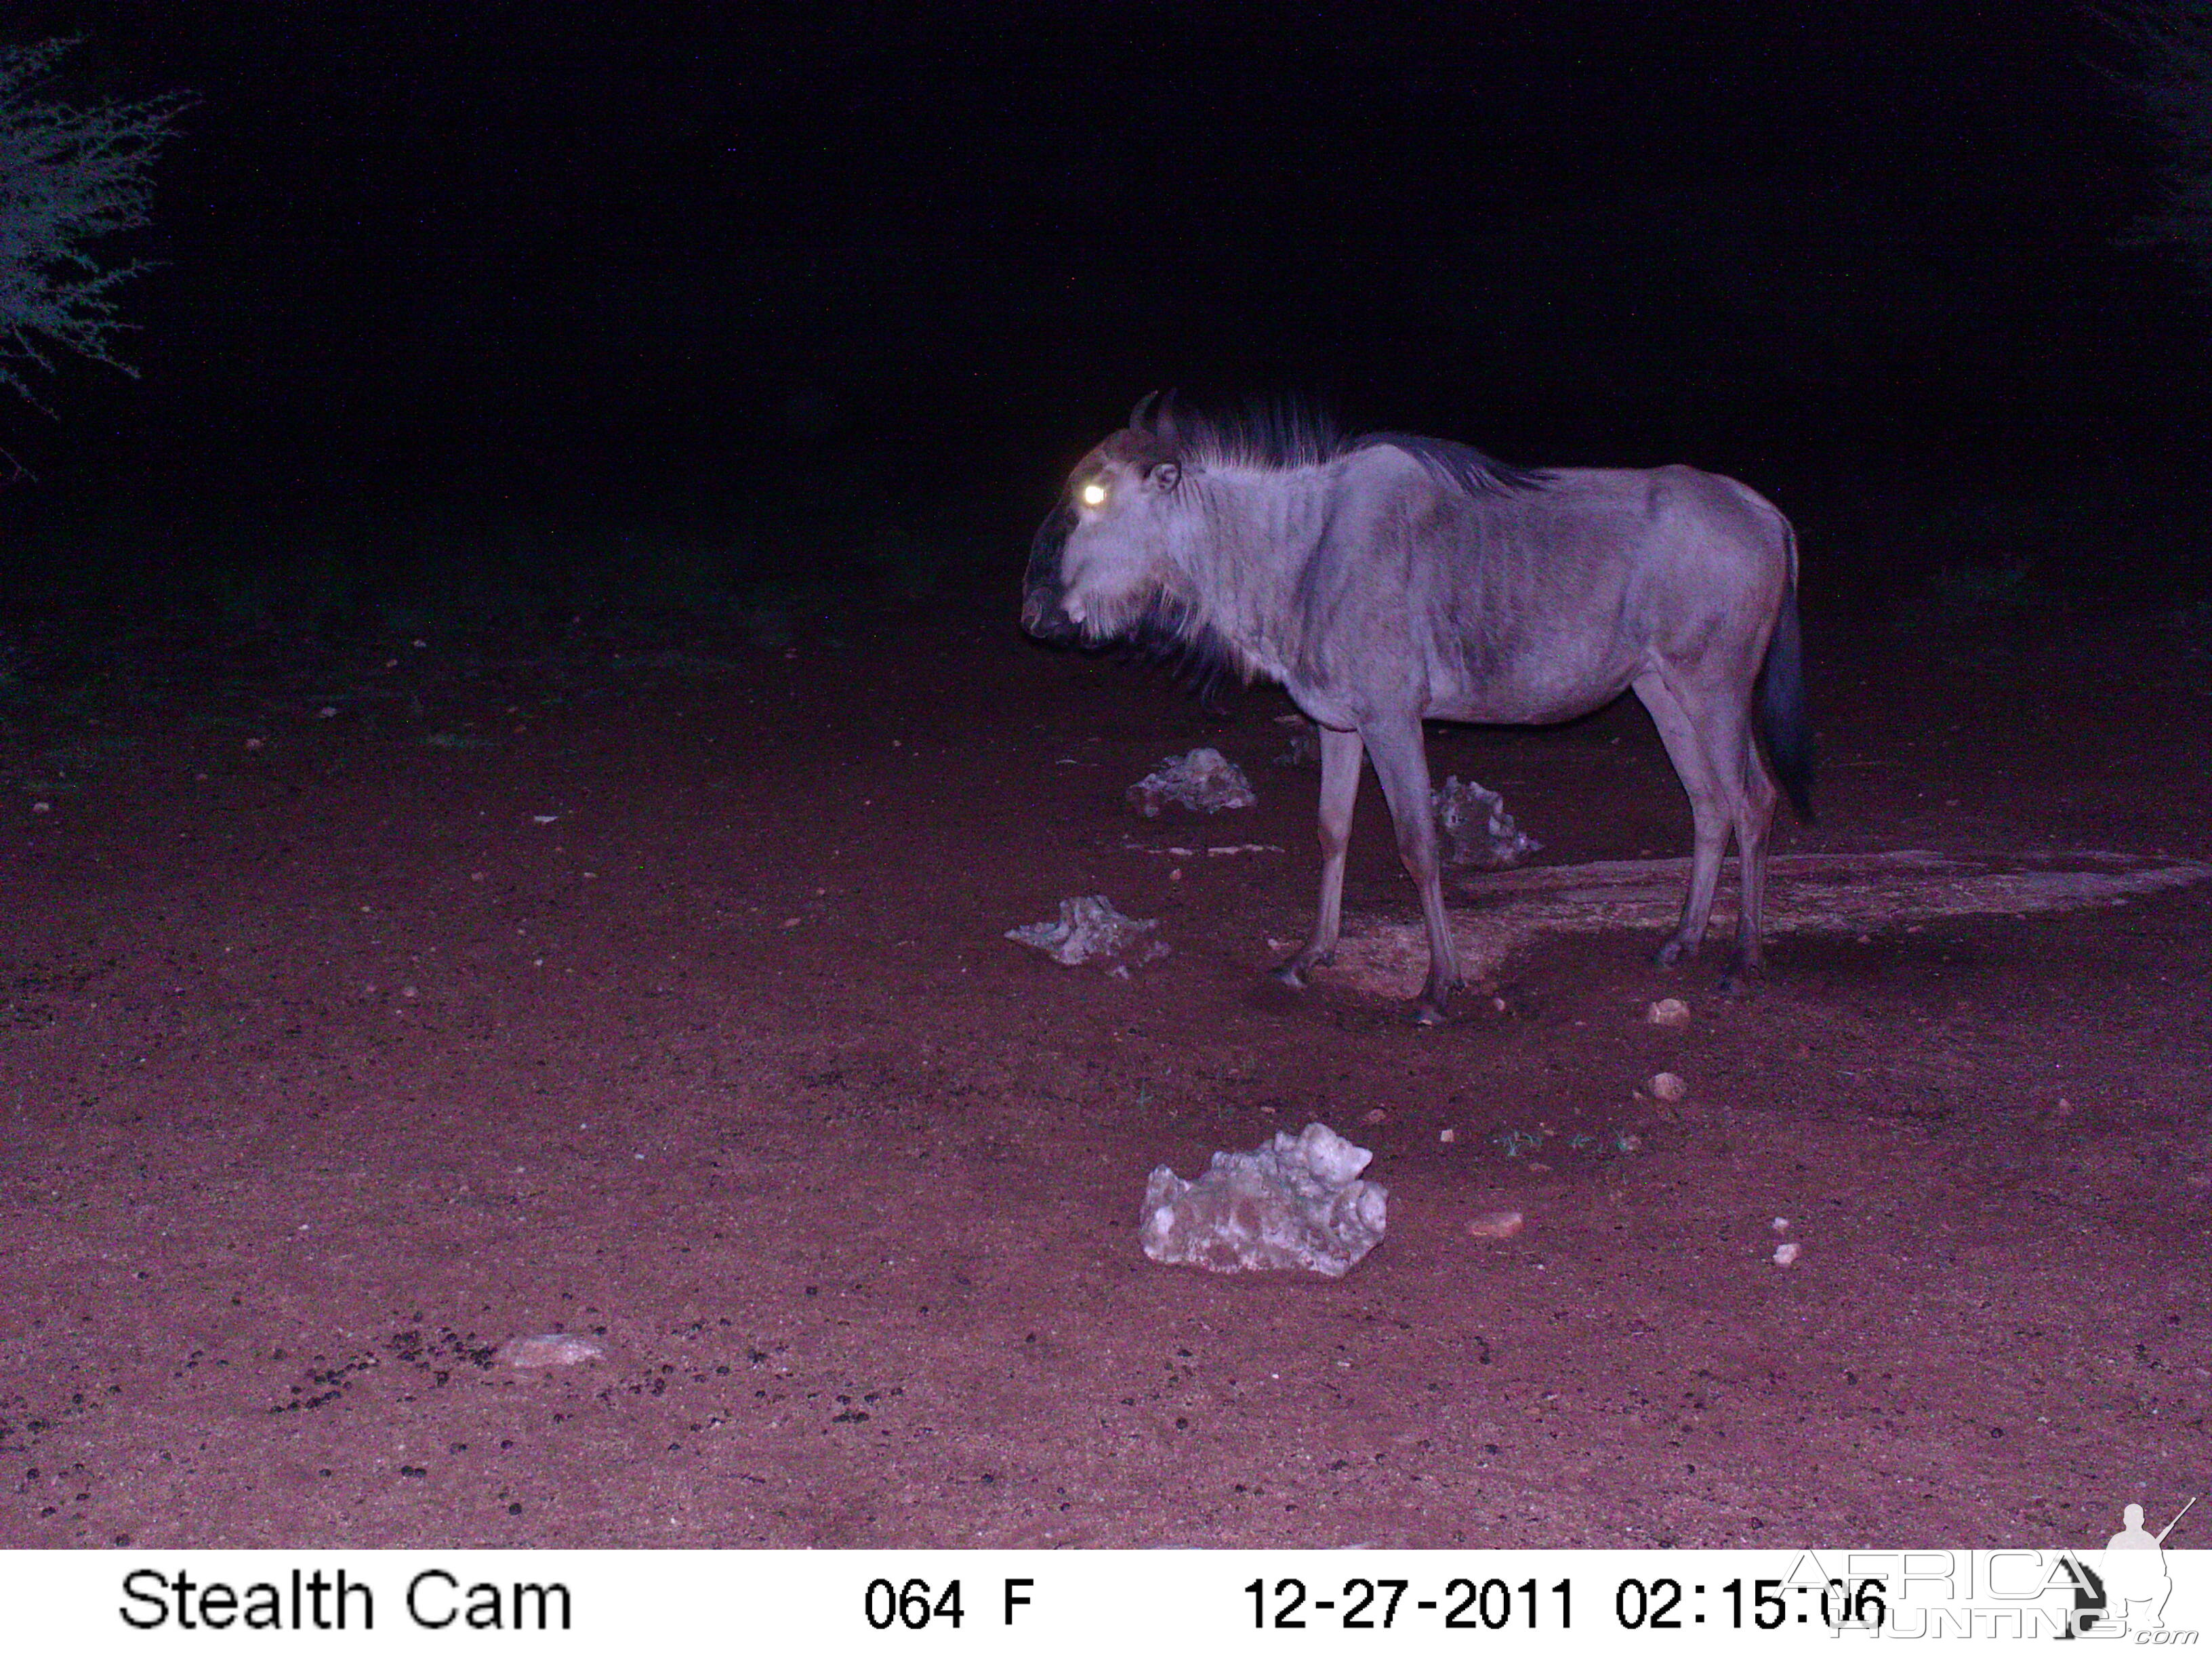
1303,747
1296,1203
1475,828
1204,781
1093,930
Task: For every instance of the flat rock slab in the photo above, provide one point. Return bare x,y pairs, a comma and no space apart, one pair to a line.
1498,912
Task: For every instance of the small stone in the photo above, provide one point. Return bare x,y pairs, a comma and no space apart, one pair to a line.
1375,1114
1667,1010
254,743
1785,1254
1448,1136
1495,1223
1782,1224
1668,1087
42,806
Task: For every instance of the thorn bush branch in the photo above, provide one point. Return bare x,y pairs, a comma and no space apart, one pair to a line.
70,175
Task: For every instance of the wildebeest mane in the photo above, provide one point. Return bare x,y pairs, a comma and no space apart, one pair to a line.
1460,465
1276,436
1282,436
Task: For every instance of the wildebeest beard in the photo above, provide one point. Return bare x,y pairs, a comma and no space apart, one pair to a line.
1168,632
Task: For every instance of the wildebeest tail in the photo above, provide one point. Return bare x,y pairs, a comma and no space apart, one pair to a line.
1784,728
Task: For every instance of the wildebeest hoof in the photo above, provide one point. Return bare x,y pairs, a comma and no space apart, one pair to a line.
1288,974
1430,1010
1674,953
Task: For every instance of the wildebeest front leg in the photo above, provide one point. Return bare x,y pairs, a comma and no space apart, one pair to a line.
1340,789
1401,763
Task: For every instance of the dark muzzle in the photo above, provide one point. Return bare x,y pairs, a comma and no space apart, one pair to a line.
1043,619
1042,590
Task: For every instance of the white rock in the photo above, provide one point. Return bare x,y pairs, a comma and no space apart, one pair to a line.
1669,1088
1667,1010
1296,1203
1204,781
1785,1254
1093,930
558,1348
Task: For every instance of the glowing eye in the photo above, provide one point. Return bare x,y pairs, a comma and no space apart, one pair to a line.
1094,495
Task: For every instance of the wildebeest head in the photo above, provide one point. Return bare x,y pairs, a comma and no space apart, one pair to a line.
1099,568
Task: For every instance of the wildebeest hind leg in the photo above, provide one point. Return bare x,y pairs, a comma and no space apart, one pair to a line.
1755,819
1403,766
1340,790
1710,815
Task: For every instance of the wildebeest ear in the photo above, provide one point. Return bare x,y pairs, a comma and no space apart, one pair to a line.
1164,477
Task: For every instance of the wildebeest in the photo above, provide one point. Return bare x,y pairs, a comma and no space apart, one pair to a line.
1386,579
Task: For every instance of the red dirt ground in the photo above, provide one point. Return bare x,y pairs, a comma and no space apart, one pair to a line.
328,1068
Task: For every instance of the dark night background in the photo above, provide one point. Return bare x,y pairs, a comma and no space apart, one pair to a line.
846,290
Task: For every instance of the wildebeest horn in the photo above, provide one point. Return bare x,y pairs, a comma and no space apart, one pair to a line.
1163,421
1141,417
